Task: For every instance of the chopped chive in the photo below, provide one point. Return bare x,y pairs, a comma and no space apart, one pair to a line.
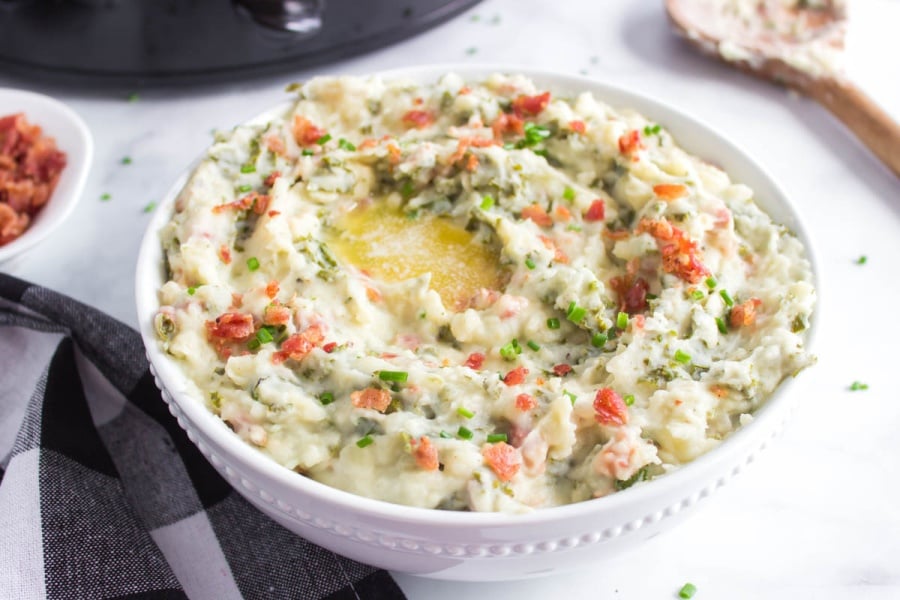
622,320
598,340
711,283
133,97
697,295
576,313
362,442
149,207
629,399
533,345
687,591
324,139
471,50
345,145
720,323
493,438
511,350
858,386
445,435
573,227
465,412
307,152
487,202
552,323
861,260
264,336
682,356
253,263
572,397
569,194
541,152
398,376
253,344
248,168
726,297
464,433
245,188
191,291
408,189
105,197
530,263
126,160
326,398
651,129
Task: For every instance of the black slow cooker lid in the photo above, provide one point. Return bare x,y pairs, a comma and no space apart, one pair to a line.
186,40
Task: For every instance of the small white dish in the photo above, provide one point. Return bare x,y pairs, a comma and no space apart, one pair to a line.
72,137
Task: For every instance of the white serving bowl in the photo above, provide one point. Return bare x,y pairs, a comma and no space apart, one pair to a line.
72,137
465,545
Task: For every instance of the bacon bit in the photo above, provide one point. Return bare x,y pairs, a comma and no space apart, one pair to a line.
475,361
632,293
465,90
272,289
225,254
388,355
329,347
507,124
299,345
237,300
305,133
276,314
630,142
536,213
577,126
558,254
718,391
680,255
525,402
530,105
503,459
469,142
231,326
275,144
616,235
373,295
420,119
270,180
539,381
744,314
425,453
367,143
394,154
516,376
723,217
638,322
471,163
596,211
678,402
669,191
273,213
12,224
258,202
609,407
418,101
562,212
562,370
371,398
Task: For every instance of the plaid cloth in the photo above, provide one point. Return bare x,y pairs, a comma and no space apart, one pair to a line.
102,495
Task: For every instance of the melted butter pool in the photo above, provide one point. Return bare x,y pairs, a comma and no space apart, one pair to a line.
391,246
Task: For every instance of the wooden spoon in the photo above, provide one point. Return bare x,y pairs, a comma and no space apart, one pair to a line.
799,45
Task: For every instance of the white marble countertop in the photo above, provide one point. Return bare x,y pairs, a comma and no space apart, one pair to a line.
818,515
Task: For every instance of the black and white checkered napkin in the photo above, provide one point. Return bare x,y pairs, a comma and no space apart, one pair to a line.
102,495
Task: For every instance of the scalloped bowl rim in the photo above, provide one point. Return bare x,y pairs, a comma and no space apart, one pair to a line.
767,418
72,137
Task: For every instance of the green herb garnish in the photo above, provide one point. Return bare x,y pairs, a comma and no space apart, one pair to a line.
126,160
397,376
687,591
324,139
530,263
552,323
326,398
720,323
533,345
711,283
248,168
253,263
598,340
569,194
729,301
493,438
858,386
861,260
345,145
487,202
576,313
465,412
464,433
682,356
629,399
622,320
362,442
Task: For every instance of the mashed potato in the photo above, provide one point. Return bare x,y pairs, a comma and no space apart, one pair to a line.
476,295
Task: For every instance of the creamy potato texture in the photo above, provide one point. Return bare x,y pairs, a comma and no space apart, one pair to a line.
476,295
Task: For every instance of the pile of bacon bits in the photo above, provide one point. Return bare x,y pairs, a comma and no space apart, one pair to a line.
30,165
